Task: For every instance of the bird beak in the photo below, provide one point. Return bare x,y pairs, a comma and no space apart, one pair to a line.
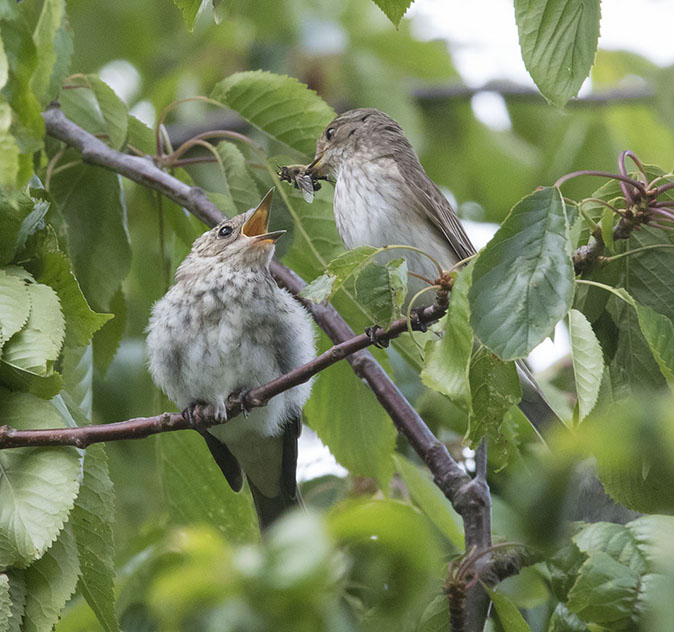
317,168
257,224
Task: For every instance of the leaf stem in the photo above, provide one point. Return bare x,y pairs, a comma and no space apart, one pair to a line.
594,227
414,249
635,251
603,174
628,299
410,306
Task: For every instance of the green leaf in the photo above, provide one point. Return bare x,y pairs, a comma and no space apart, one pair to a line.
523,280
197,492
558,39
658,331
646,274
633,367
588,362
448,360
15,207
14,305
651,533
54,269
510,617
92,520
140,136
241,185
4,66
36,347
356,429
5,603
436,616
51,20
107,339
562,620
278,105
394,549
39,485
495,388
614,540
17,593
320,289
49,584
427,495
339,271
606,224
22,61
381,290
92,204
605,592
394,9
189,9
78,372
9,167
635,453
93,105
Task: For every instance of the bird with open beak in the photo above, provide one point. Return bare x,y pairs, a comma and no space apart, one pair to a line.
224,326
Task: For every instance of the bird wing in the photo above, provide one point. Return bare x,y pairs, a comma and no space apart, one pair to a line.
226,461
437,209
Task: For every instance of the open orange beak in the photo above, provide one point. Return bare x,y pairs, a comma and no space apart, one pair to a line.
257,224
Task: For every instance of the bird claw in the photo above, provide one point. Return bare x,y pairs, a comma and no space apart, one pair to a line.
373,334
196,415
239,397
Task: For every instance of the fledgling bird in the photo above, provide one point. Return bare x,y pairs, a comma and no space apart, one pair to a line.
383,196
224,326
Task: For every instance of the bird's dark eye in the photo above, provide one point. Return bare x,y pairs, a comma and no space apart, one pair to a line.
330,133
225,231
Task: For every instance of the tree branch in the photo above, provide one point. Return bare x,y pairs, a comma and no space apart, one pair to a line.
141,427
447,474
509,90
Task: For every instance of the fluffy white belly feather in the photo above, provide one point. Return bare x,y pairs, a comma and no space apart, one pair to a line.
369,215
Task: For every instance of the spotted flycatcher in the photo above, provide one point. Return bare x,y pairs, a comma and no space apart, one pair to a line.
383,197
224,326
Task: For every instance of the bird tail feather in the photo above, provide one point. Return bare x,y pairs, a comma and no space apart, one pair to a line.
534,403
269,509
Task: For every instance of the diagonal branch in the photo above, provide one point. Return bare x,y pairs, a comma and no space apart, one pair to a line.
472,501
447,473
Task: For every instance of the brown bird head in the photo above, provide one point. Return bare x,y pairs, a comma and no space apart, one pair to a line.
244,238
358,135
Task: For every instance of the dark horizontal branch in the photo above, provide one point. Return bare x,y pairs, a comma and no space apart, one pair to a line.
450,92
142,427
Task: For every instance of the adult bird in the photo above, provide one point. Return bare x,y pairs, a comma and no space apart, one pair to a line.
383,196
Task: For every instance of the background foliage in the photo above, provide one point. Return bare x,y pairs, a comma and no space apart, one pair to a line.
84,254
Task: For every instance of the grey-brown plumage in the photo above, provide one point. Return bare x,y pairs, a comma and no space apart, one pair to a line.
383,197
224,326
